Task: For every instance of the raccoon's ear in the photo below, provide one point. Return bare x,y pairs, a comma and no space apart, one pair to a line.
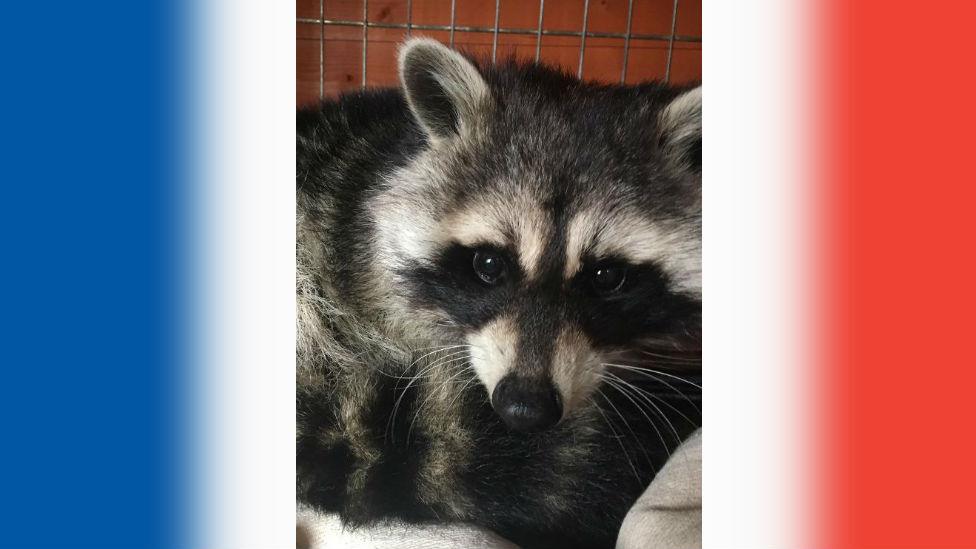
445,91
680,136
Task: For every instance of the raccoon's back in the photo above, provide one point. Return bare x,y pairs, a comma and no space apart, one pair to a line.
344,148
372,445
344,144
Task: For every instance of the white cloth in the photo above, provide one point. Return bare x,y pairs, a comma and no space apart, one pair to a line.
326,532
668,514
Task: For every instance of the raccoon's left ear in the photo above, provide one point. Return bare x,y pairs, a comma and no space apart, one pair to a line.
445,91
680,133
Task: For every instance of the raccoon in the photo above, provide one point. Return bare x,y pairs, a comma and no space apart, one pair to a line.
499,297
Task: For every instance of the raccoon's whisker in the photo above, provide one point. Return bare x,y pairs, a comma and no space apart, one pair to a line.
391,424
441,383
642,369
434,352
453,353
472,379
636,392
615,435
433,363
647,396
660,360
382,373
443,364
429,369
650,373
440,361
674,358
667,344
614,384
431,392
437,350
633,432
670,363
463,388
664,364
445,343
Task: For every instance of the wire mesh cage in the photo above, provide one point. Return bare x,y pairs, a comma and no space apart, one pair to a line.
344,45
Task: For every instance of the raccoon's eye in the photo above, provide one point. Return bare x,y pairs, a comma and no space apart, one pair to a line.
608,278
489,266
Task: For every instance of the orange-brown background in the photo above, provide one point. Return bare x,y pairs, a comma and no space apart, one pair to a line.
342,53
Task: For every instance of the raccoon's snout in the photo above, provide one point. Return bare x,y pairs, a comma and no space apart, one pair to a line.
527,405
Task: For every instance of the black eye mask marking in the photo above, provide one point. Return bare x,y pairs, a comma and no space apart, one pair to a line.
451,283
613,302
628,302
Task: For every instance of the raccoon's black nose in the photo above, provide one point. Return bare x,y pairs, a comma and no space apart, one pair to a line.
526,405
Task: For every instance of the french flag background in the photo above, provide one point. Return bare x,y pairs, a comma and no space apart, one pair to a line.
147,222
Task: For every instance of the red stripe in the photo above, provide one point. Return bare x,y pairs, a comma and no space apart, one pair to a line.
900,212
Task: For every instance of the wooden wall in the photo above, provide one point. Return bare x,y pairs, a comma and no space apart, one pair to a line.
603,57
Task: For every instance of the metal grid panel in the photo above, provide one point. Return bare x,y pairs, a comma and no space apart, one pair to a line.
495,29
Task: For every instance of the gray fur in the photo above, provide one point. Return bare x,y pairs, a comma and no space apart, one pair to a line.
389,183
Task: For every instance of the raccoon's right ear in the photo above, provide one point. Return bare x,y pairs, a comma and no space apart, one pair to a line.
680,133
445,91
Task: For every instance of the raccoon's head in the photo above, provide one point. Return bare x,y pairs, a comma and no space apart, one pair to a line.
553,226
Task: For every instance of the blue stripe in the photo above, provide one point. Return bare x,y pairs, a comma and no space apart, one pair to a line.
89,221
